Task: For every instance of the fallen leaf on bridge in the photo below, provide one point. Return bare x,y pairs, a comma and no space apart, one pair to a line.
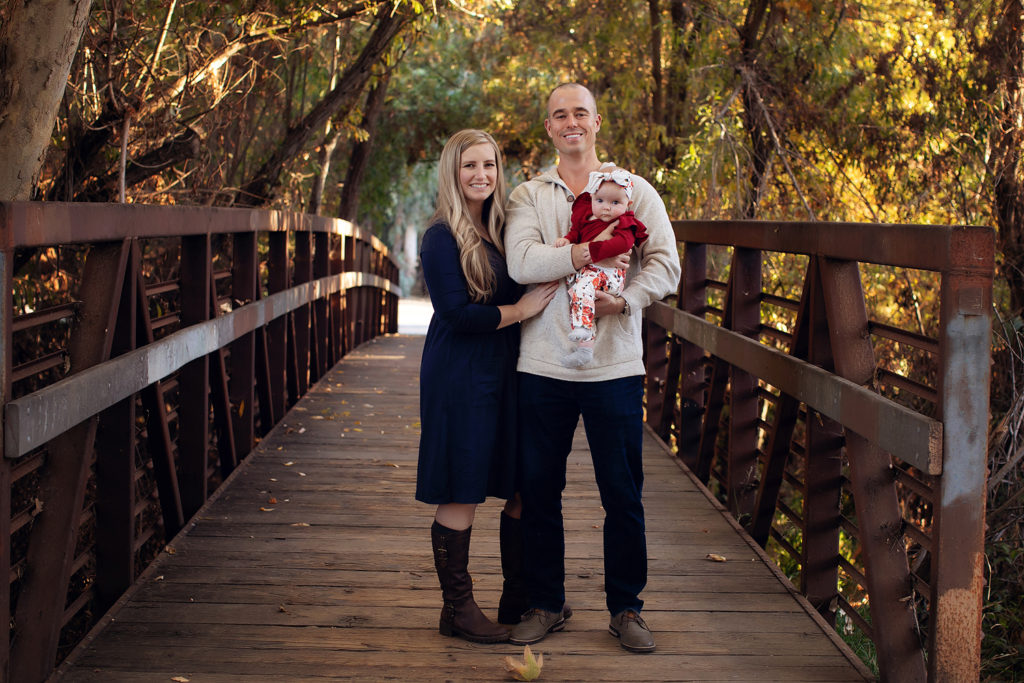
263,509
714,557
180,679
526,670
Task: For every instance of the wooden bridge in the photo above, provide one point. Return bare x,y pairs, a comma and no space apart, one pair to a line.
210,447
314,563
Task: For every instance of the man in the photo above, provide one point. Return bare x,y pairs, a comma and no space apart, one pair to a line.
607,392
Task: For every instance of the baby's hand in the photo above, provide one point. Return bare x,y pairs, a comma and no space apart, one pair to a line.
561,242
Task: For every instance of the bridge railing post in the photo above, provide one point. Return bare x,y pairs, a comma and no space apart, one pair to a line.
194,378
242,383
6,319
302,273
320,327
958,563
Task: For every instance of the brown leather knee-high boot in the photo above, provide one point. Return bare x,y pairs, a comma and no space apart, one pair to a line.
514,598
460,615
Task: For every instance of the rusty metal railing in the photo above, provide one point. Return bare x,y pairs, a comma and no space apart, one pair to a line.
144,353
843,425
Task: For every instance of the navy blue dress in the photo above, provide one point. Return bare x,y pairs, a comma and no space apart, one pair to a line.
467,382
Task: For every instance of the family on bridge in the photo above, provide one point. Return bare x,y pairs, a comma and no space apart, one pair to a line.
506,375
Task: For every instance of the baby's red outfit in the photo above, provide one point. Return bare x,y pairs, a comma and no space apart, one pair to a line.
591,278
630,231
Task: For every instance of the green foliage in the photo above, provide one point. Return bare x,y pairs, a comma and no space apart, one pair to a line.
861,645
1003,627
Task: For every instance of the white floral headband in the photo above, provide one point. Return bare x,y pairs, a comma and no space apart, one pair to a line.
618,176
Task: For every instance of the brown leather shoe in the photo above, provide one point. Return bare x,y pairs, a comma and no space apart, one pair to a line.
537,623
631,630
460,615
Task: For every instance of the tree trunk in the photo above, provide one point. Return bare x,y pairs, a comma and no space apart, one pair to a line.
360,157
669,73
686,30
330,143
38,42
657,94
316,195
259,190
1007,59
759,16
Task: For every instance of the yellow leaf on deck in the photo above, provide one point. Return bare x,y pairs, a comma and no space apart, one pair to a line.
526,670
714,557
180,679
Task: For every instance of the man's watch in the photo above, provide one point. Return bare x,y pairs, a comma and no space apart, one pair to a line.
625,307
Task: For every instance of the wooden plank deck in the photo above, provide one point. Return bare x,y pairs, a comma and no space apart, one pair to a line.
314,564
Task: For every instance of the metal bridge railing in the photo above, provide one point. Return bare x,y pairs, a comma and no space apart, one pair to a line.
145,351
844,425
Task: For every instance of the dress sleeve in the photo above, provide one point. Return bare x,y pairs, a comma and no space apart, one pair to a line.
446,284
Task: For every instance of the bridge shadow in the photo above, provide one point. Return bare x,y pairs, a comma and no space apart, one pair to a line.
313,563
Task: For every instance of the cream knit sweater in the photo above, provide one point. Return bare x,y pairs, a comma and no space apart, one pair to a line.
538,214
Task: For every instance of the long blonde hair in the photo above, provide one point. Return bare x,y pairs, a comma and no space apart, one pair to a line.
452,209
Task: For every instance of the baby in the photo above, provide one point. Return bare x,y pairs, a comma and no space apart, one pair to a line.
607,198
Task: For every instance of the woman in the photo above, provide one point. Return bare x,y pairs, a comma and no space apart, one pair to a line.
467,377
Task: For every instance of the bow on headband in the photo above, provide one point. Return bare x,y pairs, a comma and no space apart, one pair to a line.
618,176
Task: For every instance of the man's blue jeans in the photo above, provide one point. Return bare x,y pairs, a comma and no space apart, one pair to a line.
549,410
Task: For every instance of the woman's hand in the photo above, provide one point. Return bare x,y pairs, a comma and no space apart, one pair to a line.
536,300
